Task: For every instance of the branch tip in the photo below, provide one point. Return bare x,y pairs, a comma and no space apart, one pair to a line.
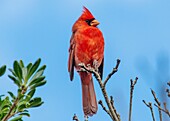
75,118
132,85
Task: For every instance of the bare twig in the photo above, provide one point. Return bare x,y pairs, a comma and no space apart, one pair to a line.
111,107
112,103
168,83
164,110
75,118
151,109
158,103
104,108
168,91
111,100
115,69
132,85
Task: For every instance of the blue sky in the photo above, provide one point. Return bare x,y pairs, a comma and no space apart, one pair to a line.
135,31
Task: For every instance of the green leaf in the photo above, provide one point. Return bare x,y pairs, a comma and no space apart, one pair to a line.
37,74
15,80
33,68
36,80
38,84
12,71
30,94
1,98
20,96
29,66
25,114
17,70
12,95
24,73
5,105
21,63
18,118
22,105
42,68
2,70
36,102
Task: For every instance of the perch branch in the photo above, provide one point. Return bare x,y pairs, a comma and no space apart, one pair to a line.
158,103
151,109
132,85
95,72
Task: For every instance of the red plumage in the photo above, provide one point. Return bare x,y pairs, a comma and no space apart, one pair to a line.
86,46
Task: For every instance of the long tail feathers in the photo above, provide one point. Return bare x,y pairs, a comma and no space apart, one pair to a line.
88,95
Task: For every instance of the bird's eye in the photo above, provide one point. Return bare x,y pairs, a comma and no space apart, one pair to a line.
88,21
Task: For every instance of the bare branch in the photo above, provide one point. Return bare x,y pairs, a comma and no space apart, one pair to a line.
115,69
111,100
168,83
112,109
167,90
164,110
75,118
112,103
104,108
158,103
132,85
151,109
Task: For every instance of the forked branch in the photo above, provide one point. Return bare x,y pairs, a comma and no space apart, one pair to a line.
75,118
158,103
165,110
111,108
115,69
132,85
149,105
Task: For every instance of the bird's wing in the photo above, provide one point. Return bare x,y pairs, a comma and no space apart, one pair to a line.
71,62
101,69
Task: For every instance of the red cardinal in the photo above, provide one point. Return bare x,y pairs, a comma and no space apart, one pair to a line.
86,46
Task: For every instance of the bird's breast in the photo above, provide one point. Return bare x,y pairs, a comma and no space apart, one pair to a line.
89,46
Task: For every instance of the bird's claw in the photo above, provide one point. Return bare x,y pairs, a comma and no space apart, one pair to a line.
81,70
95,65
83,67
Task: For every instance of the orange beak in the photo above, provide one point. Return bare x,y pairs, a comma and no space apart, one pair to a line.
94,23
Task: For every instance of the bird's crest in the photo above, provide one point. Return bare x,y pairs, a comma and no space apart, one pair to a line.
86,14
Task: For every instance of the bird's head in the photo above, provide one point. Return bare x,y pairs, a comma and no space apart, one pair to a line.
88,18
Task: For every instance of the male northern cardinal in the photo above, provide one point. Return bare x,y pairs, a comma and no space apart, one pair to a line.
86,46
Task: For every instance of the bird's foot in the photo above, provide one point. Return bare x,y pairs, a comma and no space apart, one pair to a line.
95,65
84,68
